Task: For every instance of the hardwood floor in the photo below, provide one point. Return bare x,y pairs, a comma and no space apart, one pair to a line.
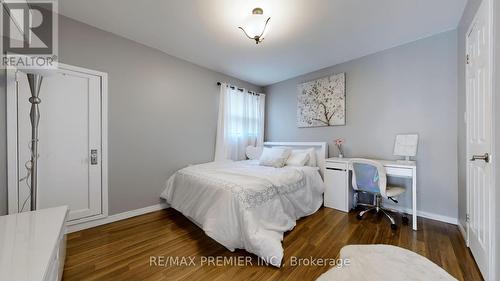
122,250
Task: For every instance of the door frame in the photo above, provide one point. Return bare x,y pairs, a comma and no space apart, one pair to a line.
12,141
492,217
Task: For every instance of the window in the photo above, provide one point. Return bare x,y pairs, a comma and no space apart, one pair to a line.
241,122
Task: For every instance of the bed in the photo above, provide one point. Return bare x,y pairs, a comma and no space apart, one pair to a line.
243,205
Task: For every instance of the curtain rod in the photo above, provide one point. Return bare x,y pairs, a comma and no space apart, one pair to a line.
239,89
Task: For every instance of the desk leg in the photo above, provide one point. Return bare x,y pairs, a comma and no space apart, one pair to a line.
414,197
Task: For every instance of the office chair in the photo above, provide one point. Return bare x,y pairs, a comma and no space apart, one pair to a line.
369,177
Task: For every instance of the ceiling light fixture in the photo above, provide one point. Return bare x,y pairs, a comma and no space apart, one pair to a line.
255,26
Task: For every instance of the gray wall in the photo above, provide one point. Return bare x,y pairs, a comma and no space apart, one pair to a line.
407,89
162,112
467,17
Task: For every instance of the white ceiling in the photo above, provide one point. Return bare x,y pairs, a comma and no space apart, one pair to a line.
304,35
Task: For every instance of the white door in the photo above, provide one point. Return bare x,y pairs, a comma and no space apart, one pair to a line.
479,137
69,131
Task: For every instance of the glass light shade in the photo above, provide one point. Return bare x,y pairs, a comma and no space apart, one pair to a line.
254,25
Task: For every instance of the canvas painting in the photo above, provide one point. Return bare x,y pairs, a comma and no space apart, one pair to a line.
321,102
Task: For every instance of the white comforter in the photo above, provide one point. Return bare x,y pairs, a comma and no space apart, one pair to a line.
243,205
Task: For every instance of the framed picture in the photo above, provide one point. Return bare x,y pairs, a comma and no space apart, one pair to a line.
322,102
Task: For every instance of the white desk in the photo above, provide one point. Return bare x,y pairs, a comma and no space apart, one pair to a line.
338,193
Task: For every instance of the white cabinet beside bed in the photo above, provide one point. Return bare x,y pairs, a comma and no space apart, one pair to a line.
337,196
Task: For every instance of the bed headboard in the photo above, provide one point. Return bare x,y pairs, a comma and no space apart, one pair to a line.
321,149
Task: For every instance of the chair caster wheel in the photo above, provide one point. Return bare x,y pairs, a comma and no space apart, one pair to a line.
405,220
359,217
394,226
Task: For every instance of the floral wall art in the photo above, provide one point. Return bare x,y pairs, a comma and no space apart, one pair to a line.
321,102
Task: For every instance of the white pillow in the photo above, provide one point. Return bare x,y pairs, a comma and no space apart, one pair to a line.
274,157
253,152
312,156
298,158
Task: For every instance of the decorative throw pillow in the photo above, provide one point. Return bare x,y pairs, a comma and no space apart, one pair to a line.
253,152
274,157
311,162
312,157
298,158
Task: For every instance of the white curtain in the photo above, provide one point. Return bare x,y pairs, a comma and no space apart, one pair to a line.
240,123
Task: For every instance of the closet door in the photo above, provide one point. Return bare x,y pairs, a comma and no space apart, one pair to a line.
69,163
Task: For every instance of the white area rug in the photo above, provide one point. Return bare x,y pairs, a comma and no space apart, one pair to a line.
384,263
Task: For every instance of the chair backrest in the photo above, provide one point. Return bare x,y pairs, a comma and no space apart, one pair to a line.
368,175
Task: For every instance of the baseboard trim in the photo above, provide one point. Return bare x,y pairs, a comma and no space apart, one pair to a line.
461,227
116,217
437,217
161,206
427,215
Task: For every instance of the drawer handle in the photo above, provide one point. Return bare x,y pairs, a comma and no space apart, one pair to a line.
336,169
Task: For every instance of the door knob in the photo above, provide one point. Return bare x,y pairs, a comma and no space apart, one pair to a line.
485,157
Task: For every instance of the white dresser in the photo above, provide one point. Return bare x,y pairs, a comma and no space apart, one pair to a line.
33,245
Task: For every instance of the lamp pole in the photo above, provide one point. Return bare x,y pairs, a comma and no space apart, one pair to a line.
35,81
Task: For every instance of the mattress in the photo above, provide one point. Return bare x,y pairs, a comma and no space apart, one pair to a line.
242,205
